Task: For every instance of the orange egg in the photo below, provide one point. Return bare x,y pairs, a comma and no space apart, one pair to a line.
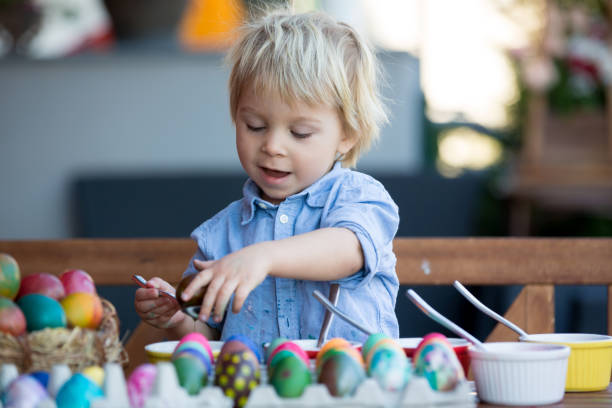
83,309
336,342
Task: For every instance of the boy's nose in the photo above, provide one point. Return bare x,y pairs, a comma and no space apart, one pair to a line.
273,144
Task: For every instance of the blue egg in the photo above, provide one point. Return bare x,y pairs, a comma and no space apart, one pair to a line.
438,363
42,312
42,377
197,354
390,368
78,392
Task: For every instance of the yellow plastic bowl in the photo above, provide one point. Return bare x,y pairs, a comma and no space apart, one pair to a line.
162,351
590,361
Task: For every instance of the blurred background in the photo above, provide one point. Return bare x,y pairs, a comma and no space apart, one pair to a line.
114,122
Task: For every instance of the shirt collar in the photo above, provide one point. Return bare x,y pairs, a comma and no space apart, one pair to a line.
251,199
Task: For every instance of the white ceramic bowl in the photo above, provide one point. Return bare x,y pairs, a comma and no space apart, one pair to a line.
511,373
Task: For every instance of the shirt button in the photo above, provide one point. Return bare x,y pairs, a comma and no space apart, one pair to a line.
284,218
262,206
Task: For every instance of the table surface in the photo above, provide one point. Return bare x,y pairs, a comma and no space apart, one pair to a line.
599,399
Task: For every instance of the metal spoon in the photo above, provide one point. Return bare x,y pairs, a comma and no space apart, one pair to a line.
192,311
334,291
327,304
488,311
142,282
437,317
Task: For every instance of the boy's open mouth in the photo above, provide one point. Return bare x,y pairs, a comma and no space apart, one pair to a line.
274,173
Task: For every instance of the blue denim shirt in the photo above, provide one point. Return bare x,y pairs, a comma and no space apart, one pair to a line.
286,307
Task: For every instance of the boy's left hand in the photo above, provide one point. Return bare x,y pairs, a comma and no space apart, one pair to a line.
237,273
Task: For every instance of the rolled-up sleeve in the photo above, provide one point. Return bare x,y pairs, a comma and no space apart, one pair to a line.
368,210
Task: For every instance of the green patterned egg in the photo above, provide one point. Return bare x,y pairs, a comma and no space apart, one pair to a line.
191,372
290,377
10,277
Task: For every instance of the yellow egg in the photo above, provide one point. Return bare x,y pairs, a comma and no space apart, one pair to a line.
83,309
95,374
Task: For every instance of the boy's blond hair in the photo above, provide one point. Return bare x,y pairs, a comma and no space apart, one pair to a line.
311,58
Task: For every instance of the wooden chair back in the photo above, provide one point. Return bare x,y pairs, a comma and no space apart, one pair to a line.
537,264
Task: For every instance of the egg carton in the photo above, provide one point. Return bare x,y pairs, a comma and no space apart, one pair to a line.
418,393
167,392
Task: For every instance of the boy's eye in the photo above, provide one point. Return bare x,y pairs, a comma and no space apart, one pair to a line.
255,128
300,135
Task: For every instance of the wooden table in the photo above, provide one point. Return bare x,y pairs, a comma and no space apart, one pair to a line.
599,399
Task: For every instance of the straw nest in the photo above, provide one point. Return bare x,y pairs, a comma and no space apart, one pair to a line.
77,347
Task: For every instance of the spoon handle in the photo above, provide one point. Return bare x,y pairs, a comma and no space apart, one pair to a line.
142,282
437,317
472,299
327,304
334,290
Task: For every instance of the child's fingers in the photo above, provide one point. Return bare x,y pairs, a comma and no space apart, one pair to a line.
223,298
143,294
209,298
160,284
201,279
240,295
201,265
146,306
168,306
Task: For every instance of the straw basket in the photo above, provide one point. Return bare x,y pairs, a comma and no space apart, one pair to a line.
77,347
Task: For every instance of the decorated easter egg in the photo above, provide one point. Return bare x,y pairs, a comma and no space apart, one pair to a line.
237,374
77,280
12,319
436,360
390,368
370,342
275,343
335,342
94,373
340,373
349,351
387,343
197,338
23,392
248,341
140,384
41,312
42,377
294,348
78,392
234,346
290,377
83,309
191,371
10,277
43,283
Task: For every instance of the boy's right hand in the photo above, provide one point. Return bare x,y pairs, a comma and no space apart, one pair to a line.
158,311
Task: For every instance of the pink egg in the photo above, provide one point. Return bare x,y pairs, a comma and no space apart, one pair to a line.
199,338
289,345
431,337
140,384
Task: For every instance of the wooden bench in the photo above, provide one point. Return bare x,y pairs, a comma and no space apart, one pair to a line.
537,264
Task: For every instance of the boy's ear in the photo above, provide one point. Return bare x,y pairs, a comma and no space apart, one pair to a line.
346,144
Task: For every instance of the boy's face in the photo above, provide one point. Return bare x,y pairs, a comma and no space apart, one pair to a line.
285,148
